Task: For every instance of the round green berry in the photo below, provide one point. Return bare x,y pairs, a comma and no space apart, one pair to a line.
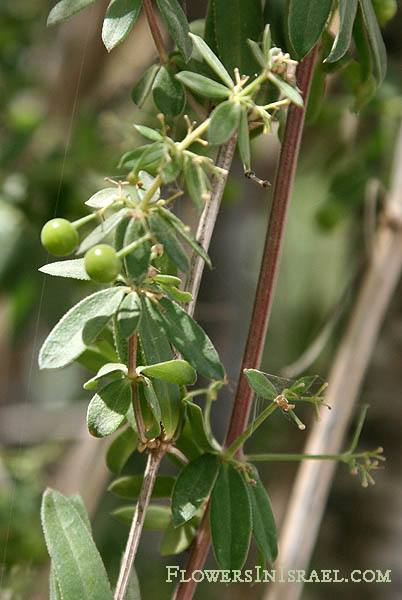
59,237
385,10
102,263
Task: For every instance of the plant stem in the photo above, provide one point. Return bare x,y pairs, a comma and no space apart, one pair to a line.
250,429
279,456
272,250
207,221
154,458
263,300
156,34
127,249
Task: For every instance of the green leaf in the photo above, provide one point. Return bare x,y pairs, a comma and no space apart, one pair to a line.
200,434
103,197
286,89
54,588
120,18
74,269
197,182
204,86
167,279
78,503
78,566
79,327
156,349
133,589
212,60
231,521
303,385
168,93
105,371
306,22
275,15
258,53
177,294
130,486
193,486
260,384
175,371
170,169
146,157
137,261
233,23
243,140
166,236
347,13
99,233
120,343
264,530
121,449
143,86
150,409
108,408
376,43
225,121
186,444
177,25
177,539
188,337
129,315
186,234
150,134
96,355
66,9
157,517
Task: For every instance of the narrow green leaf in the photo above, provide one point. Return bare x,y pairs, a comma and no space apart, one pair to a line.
203,439
79,327
103,197
108,408
258,53
146,157
175,371
150,134
264,530
121,449
78,566
347,13
188,337
157,517
303,385
66,9
137,261
377,47
150,409
105,371
167,279
133,589
193,486
225,121
177,539
96,355
234,22
177,294
130,486
286,89
260,384
231,521
187,235
168,93
167,236
204,86
186,444
177,25
197,183
74,269
143,86
129,315
78,503
156,349
99,233
212,60
243,140
306,22
120,18
275,15
120,343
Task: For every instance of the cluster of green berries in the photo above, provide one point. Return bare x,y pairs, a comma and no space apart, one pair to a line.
60,238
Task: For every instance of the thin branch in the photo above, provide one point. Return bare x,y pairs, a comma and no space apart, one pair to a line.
154,458
273,244
313,481
207,221
263,300
156,34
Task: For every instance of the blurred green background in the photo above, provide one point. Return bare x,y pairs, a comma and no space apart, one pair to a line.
66,117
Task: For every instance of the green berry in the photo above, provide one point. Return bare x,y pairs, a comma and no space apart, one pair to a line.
102,263
385,10
59,237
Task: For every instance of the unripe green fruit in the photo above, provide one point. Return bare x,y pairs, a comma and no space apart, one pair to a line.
59,237
102,263
385,10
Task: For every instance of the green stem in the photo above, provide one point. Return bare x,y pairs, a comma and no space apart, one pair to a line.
79,222
232,449
127,249
193,135
251,86
279,456
147,197
359,426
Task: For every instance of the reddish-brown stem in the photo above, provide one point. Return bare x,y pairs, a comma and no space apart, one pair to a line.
272,250
263,298
156,34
